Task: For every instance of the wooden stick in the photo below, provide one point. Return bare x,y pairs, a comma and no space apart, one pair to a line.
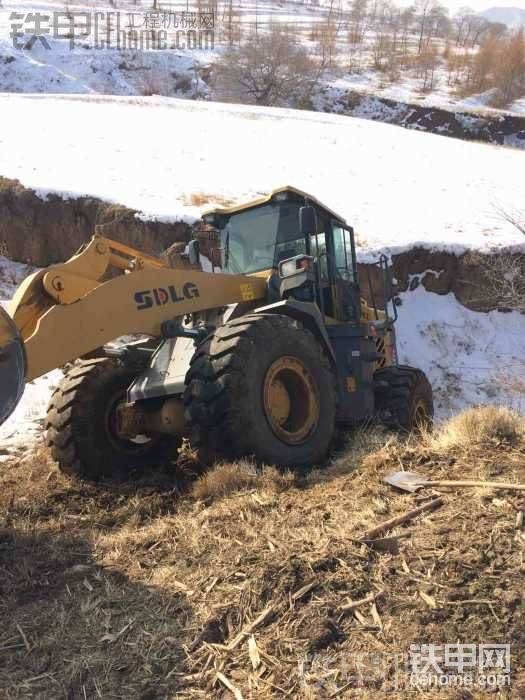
482,484
353,604
24,638
232,688
246,631
400,519
304,590
472,601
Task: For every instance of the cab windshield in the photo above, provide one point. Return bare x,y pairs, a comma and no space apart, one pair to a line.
259,238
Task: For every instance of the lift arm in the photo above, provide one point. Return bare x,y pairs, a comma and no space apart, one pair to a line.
70,309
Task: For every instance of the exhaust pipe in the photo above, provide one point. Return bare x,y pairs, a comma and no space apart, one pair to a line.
13,365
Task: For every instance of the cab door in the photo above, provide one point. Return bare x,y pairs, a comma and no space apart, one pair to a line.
349,337
343,273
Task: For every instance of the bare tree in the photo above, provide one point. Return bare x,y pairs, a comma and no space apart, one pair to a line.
268,69
427,62
329,32
407,19
504,280
514,217
510,69
231,24
423,9
504,272
460,23
357,22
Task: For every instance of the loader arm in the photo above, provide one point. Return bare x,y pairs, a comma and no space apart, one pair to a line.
71,309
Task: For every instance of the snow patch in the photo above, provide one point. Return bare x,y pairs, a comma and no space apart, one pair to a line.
470,357
398,188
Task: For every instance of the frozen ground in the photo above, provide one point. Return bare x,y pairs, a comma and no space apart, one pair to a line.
470,358
408,89
398,188
52,66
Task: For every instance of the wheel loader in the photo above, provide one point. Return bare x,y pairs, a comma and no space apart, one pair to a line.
263,356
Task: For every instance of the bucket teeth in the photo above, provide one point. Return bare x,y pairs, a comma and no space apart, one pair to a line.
12,366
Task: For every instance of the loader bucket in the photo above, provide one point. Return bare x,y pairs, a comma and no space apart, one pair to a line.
12,365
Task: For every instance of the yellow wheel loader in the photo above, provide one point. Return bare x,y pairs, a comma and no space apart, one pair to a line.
261,357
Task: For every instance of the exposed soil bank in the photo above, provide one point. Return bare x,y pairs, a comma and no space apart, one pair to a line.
42,232
470,277
503,129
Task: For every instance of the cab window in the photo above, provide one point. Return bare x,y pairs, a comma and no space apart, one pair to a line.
342,252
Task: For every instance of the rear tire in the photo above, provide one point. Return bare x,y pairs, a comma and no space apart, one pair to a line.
261,386
405,402
80,420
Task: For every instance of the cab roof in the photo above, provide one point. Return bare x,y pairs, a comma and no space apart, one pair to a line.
268,198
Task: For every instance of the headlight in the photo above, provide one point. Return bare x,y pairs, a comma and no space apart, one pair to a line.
293,266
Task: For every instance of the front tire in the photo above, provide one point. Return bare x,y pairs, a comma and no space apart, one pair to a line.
405,401
261,386
81,428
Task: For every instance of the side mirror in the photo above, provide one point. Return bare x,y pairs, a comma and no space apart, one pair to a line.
194,252
307,221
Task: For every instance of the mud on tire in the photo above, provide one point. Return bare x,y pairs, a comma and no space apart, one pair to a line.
226,395
405,401
79,424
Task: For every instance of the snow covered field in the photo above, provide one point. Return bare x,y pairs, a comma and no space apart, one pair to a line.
408,90
397,187
469,357
176,71
52,66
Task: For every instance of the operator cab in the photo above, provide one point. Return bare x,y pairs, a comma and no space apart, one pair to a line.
306,250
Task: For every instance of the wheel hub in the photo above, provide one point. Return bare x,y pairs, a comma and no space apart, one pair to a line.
291,400
119,439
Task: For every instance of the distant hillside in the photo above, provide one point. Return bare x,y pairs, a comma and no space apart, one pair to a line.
511,16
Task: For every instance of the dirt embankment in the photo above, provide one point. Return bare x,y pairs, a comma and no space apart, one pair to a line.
503,129
476,280
41,232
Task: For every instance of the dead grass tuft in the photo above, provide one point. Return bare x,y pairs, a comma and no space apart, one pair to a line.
226,479
480,426
200,199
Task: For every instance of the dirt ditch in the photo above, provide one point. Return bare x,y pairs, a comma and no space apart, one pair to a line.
502,129
41,232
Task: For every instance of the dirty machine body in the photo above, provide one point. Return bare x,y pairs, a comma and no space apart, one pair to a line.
261,357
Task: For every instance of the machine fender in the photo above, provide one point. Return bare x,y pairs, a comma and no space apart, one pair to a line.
308,314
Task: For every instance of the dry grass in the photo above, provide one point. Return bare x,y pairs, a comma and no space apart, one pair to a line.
200,199
485,426
141,591
226,479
